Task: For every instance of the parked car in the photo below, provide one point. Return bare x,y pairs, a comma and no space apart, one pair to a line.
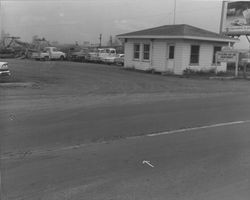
119,60
4,69
109,59
40,55
7,53
79,56
93,57
49,53
55,54
107,55
102,55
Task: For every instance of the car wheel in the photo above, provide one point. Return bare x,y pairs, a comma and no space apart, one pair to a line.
62,58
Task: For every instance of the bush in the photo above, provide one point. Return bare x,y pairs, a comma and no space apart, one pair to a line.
189,71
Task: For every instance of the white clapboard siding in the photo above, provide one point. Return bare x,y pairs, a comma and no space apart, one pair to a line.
128,54
180,56
205,58
159,55
129,57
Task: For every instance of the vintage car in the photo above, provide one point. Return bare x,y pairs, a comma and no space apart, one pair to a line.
119,60
79,56
4,69
109,59
49,53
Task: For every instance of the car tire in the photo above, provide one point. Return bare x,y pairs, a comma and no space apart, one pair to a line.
61,57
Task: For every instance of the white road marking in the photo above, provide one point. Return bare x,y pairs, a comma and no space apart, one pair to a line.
197,128
147,162
46,151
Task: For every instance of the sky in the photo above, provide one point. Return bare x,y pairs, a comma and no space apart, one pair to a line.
68,21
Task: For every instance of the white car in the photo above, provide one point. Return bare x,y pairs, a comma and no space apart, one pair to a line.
109,59
114,59
4,69
119,60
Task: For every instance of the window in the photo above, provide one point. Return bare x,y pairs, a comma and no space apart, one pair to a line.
216,49
146,52
136,51
194,56
171,52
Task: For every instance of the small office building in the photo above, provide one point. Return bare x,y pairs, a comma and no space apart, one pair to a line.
173,49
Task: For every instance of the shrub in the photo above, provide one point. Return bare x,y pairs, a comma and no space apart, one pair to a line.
189,71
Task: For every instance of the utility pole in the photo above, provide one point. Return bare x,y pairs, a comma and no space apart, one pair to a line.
111,41
174,10
1,40
1,21
100,38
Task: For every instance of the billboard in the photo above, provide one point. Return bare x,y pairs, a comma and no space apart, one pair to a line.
235,18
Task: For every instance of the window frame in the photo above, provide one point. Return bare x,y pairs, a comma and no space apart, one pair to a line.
171,55
214,55
194,54
136,51
146,52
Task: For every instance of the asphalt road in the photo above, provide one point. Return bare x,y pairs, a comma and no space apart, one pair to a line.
209,163
69,138
45,128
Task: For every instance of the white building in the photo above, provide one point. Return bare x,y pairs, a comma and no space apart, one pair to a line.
173,49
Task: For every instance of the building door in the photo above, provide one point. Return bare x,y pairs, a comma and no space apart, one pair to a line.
170,58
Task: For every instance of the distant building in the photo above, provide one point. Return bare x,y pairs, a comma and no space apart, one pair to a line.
86,43
54,43
173,49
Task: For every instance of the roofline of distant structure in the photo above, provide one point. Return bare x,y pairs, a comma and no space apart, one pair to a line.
176,37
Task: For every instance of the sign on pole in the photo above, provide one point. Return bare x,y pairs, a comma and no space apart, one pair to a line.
235,19
228,56
224,56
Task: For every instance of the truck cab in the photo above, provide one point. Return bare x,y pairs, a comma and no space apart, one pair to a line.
55,54
106,53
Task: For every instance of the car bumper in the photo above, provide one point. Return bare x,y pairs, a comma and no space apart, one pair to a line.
5,73
108,61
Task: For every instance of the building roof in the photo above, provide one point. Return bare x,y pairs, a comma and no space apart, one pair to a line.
178,31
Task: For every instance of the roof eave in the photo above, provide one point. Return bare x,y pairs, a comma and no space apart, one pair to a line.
177,37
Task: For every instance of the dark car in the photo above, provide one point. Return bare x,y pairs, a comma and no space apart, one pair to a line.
79,56
119,60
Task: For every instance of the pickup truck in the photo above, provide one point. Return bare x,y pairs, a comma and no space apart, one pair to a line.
104,55
49,53
40,55
107,55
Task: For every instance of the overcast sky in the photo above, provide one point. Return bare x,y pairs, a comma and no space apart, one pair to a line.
68,21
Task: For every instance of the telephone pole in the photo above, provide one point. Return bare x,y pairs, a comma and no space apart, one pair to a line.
1,40
111,41
1,20
174,10
100,38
